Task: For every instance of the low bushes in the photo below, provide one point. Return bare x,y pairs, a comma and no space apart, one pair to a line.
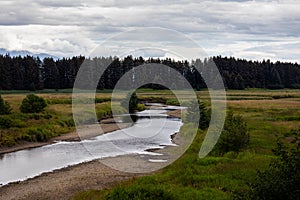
33,104
4,107
9,122
193,115
281,180
5,122
141,107
234,136
37,135
173,102
132,101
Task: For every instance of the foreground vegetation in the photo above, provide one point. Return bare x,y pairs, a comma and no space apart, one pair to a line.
269,115
50,117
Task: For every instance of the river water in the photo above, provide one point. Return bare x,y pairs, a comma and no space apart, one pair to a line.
152,130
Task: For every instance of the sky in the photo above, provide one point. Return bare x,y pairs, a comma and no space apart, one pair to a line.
245,29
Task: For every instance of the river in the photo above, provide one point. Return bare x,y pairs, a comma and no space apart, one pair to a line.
152,130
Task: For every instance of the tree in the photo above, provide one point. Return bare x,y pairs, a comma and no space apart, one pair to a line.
282,179
234,136
4,107
50,74
33,104
193,115
133,102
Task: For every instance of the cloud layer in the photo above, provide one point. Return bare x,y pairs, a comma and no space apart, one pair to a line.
247,29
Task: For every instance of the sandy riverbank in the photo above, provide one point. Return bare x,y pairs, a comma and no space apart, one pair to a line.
66,182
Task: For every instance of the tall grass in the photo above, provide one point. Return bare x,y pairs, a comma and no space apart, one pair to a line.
218,177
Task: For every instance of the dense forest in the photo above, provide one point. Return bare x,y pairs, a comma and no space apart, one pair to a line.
31,73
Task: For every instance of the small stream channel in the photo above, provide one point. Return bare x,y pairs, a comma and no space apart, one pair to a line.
152,130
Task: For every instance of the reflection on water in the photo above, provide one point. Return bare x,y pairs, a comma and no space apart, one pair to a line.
152,130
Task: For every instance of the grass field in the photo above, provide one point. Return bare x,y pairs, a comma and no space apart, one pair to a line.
57,118
269,114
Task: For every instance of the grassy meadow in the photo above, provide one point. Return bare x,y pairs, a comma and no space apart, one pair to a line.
269,114
56,119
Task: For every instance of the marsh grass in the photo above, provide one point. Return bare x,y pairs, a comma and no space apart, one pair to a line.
218,177
213,177
57,118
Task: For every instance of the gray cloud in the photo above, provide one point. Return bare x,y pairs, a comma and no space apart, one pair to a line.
234,27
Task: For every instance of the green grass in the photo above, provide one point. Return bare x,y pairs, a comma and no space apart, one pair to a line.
216,177
269,113
57,118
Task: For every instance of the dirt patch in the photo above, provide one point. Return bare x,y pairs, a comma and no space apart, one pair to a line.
66,182
175,113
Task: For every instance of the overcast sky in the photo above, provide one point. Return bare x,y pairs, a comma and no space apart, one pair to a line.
244,29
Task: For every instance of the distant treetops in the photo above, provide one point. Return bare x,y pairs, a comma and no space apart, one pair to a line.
31,73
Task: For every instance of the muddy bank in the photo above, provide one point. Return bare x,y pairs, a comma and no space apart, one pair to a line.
66,182
89,132
176,113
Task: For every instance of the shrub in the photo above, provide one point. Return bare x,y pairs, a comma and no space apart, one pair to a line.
6,122
38,135
173,102
10,121
4,107
281,180
33,104
141,107
133,102
192,115
234,135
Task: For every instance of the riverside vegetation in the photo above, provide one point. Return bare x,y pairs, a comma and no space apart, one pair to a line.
259,164
38,118
266,122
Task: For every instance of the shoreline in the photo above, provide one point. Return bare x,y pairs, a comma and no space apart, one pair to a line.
66,182
92,131
74,136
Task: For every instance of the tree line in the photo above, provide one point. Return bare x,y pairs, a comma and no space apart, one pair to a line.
31,73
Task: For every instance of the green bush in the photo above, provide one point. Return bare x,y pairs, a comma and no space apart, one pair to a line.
234,136
33,104
173,102
37,135
141,107
133,102
192,114
6,122
282,179
4,107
